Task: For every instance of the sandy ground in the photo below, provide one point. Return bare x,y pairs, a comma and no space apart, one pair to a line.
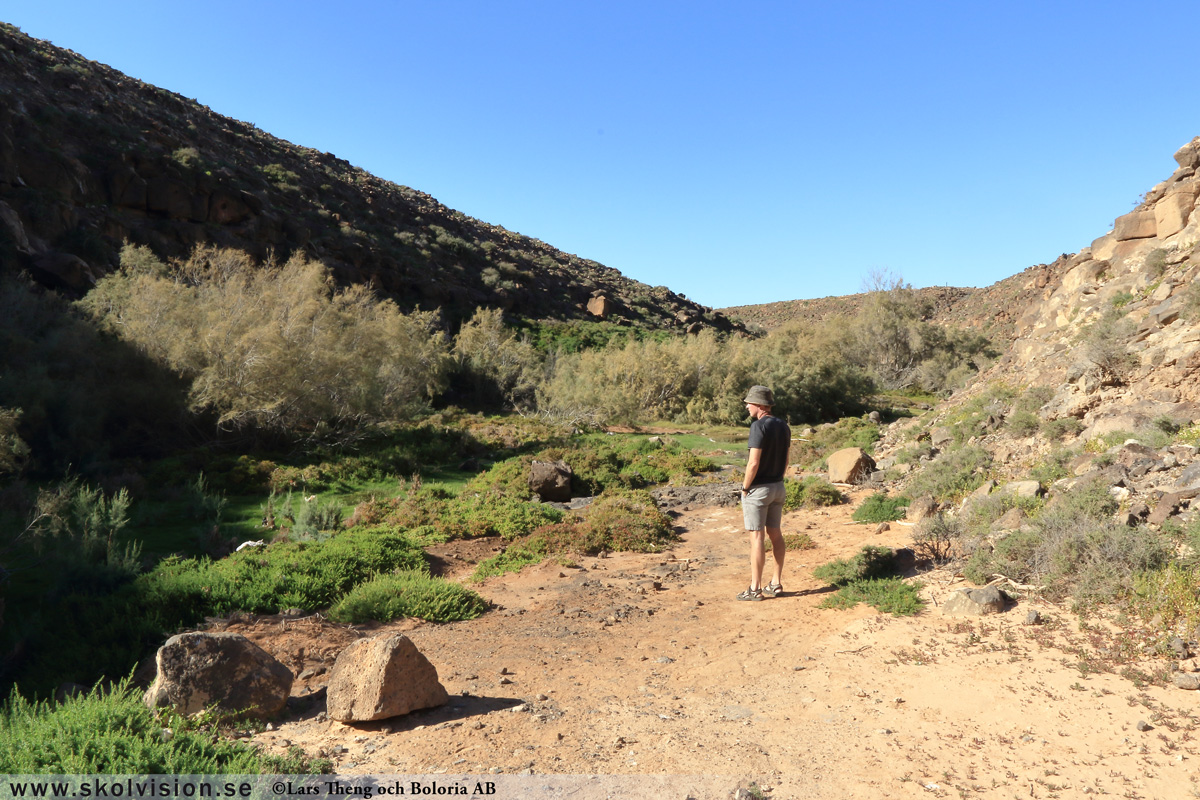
594,670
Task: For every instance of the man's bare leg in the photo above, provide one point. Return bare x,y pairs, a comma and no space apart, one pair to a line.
778,551
758,558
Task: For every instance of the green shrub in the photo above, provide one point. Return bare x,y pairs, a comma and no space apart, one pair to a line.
407,594
869,563
514,558
952,475
881,508
1023,423
1055,429
307,575
811,492
1170,594
798,541
316,518
616,521
1074,548
115,733
889,595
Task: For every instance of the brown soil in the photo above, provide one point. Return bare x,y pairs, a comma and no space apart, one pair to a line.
593,670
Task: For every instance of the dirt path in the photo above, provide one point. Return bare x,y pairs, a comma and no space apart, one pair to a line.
593,670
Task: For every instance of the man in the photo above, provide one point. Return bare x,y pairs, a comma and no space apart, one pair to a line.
763,492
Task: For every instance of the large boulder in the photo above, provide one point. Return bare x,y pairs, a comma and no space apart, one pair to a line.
850,465
600,306
1135,225
974,602
550,480
382,677
226,670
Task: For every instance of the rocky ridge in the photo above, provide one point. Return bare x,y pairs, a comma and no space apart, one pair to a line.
1112,335
90,158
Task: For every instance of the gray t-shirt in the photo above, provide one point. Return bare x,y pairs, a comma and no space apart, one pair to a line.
773,436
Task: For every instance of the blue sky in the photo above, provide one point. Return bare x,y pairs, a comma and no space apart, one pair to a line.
737,153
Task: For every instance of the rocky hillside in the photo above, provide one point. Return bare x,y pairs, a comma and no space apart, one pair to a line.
1105,348
90,158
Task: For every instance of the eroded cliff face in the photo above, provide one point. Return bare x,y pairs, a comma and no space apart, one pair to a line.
1135,279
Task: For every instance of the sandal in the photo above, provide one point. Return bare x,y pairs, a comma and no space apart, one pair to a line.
772,589
751,594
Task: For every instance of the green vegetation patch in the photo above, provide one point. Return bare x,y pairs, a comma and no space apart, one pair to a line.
407,594
879,507
616,521
115,733
870,577
811,492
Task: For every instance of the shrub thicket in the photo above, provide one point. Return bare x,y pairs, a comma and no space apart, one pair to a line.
1074,547
274,346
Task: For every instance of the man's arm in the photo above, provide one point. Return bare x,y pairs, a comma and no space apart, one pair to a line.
751,468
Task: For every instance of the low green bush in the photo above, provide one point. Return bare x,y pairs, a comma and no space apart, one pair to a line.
811,492
617,521
407,594
115,733
798,541
869,563
952,475
880,508
889,595
514,558
307,575
1056,429
1073,548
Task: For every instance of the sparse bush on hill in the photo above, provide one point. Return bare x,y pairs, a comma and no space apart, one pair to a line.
894,342
1105,343
951,475
1074,547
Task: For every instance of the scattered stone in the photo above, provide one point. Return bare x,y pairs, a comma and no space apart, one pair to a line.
1179,648
665,660
542,697
505,681
1034,617
226,670
882,528
1187,680
384,676
1144,726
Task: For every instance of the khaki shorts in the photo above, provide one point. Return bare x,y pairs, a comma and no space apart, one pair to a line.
762,506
